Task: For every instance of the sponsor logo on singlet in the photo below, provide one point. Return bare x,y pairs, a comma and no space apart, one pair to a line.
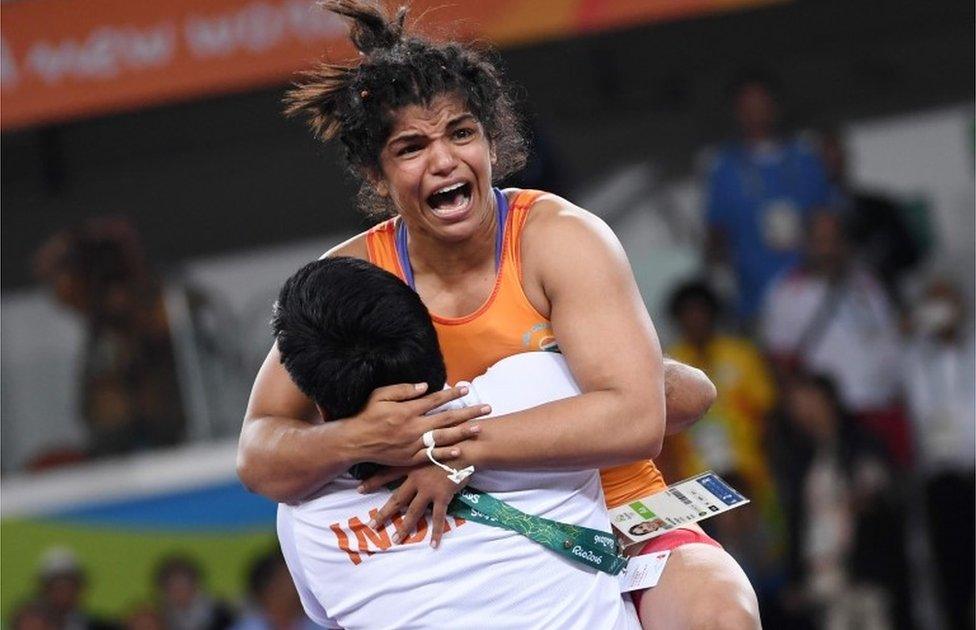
540,337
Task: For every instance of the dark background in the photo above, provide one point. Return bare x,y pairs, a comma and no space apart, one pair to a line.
230,173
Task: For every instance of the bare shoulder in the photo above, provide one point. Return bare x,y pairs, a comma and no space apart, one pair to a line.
550,210
557,225
354,247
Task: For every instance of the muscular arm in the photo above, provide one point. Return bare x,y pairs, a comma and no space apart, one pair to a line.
608,340
688,393
285,450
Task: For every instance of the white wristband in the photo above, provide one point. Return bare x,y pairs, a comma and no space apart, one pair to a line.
455,475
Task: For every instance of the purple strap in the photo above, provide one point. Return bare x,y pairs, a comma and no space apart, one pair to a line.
404,255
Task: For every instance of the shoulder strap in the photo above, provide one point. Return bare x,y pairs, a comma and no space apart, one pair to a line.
821,319
381,247
518,212
589,547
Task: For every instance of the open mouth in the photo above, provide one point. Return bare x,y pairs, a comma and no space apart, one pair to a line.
450,199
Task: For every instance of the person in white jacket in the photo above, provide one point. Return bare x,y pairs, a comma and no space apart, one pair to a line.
349,573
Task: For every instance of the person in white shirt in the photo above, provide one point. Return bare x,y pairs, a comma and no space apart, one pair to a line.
830,316
351,575
834,318
940,369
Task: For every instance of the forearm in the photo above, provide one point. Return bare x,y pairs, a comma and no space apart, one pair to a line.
595,429
285,459
688,394
541,437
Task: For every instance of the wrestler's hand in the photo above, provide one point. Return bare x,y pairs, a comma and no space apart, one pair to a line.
424,487
390,429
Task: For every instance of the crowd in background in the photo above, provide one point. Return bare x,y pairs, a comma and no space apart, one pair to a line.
129,394
845,405
845,399
180,599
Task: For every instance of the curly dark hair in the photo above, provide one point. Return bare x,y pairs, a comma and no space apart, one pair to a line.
358,102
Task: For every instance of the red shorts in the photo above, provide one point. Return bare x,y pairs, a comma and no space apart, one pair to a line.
668,541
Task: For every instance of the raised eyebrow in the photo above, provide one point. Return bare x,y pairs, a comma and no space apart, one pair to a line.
412,137
463,118
409,137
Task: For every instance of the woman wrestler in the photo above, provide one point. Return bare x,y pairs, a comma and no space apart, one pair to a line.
428,128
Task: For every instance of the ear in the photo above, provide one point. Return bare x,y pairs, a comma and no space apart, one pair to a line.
492,154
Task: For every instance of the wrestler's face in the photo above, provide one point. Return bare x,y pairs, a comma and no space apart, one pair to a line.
436,168
647,527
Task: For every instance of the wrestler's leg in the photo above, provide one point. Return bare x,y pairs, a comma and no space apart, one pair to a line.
702,588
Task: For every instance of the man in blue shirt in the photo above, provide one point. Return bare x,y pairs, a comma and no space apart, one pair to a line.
761,188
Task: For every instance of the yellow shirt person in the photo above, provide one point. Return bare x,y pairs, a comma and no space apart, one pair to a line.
730,438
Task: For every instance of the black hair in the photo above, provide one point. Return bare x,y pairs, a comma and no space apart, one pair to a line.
357,102
176,564
262,571
853,441
693,291
345,327
641,525
754,76
826,386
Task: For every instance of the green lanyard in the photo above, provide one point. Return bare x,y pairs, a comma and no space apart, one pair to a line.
590,547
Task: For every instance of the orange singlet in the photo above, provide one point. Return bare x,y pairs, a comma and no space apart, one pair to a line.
504,325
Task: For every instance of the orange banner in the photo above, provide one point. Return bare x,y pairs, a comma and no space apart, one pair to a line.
64,59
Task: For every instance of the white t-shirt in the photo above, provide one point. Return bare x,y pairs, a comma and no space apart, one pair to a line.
349,576
858,347
939,381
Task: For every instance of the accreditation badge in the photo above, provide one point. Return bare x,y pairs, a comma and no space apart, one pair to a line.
781,224
681,504
642,571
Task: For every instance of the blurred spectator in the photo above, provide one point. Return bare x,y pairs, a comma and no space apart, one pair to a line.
760,189
831,316
62,585
130,398
876,223
145,617
729,439
940,370
847,563
756,542
31,616
182,601
273,602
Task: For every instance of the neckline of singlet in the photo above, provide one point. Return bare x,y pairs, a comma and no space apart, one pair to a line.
403,253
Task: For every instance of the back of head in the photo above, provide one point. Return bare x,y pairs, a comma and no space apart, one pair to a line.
693,292
177,578
345,327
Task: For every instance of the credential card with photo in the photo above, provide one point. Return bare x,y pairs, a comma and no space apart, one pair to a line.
685,502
